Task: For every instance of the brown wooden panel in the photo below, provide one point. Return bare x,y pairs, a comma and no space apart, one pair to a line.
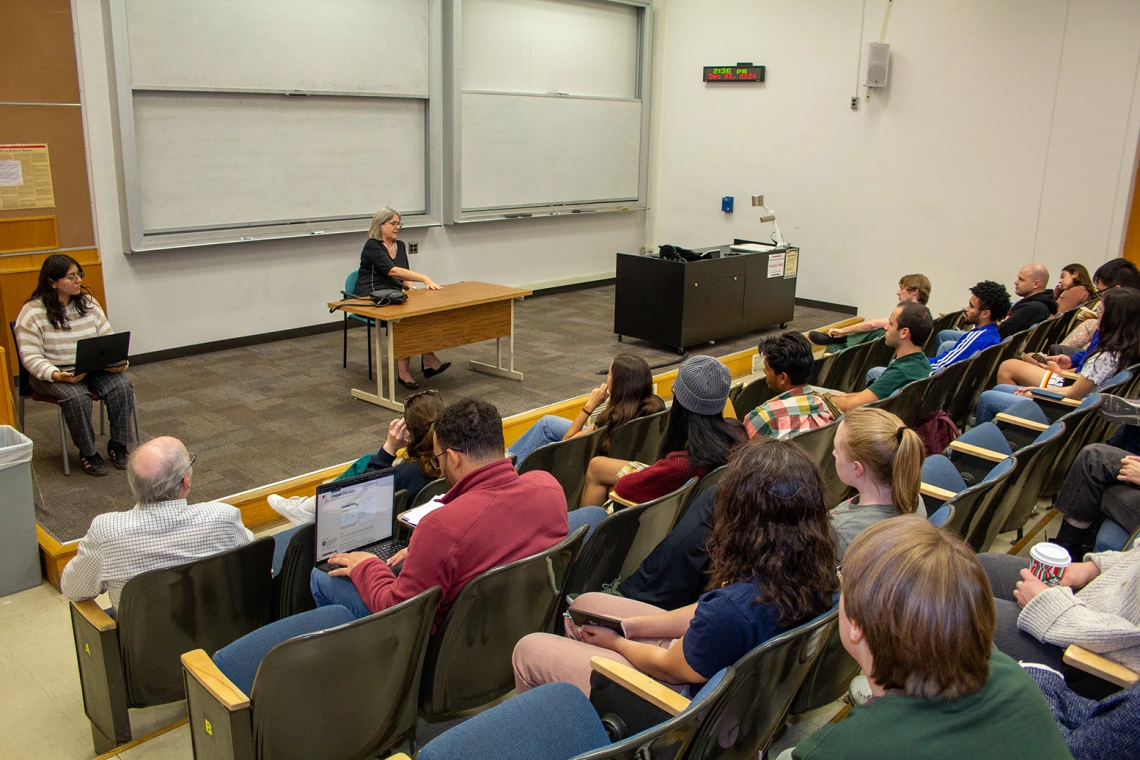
61,127
31,233
37,52
448,329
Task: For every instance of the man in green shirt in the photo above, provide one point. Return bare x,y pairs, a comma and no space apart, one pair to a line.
909,326
914,613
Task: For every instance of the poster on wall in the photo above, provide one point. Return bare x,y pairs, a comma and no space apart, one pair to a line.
25,177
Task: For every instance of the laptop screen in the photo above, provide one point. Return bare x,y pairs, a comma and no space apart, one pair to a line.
354,513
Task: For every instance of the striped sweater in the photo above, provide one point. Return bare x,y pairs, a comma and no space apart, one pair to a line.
1103,617
45,349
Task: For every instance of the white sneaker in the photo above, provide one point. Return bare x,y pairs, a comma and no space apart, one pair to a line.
860,690
294,509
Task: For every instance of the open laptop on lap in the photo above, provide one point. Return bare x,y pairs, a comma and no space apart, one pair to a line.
100,352
355,515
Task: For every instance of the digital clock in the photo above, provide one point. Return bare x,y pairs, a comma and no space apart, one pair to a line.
741,72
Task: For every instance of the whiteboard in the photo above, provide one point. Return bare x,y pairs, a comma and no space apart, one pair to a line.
351,46
528,150
212,160
578,47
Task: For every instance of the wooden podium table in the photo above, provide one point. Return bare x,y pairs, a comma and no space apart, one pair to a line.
433,320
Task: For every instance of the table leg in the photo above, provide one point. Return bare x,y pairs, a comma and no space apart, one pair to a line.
378,398
498,370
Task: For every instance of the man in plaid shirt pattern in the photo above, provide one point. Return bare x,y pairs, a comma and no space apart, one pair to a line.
787,367
161,531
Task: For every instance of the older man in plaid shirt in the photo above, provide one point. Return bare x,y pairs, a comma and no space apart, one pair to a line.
787,367
161,531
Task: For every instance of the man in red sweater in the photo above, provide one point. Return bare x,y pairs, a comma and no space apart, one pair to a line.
492,516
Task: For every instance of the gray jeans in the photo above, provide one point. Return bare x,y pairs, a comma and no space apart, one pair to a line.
1004,571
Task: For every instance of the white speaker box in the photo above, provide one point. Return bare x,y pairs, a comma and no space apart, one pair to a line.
878,64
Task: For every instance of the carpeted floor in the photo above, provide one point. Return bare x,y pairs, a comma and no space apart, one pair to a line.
269,412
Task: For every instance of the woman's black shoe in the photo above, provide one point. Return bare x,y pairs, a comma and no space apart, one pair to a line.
429,373
411,385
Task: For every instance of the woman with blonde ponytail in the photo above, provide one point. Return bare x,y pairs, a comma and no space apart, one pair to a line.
881,458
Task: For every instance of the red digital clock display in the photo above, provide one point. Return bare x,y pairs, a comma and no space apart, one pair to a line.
737,73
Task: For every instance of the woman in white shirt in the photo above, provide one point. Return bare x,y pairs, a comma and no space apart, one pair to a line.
58,314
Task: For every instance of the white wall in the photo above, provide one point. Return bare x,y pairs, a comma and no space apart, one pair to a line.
1008,134
181,298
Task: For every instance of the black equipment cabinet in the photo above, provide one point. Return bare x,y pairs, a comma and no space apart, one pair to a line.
681,304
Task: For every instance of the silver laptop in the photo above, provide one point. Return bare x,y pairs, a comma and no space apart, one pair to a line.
355,515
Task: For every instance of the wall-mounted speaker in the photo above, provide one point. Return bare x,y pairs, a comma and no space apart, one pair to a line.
878,64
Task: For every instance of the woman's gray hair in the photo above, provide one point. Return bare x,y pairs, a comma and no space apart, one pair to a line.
162,480
382,216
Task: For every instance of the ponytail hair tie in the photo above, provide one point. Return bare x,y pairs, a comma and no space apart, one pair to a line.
899,436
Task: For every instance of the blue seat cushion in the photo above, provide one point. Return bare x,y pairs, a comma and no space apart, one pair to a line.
940,472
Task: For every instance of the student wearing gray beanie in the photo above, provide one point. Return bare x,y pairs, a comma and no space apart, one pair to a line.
697,440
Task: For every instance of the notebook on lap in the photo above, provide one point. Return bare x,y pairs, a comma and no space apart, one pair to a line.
355,515
100,352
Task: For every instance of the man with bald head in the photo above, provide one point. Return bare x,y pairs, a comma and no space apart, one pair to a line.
1036,304
161,531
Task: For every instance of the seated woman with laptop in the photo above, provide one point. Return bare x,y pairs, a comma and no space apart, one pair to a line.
58,314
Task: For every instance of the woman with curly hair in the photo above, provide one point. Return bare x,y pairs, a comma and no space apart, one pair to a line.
771,568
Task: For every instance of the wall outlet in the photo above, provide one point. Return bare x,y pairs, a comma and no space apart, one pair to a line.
855,103
413,247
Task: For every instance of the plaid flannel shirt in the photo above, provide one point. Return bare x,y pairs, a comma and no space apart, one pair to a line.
789,413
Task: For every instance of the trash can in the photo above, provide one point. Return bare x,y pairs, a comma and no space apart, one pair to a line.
19,550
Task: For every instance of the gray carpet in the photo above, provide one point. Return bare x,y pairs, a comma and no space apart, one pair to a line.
265,413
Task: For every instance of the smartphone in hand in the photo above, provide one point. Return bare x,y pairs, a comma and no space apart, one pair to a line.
582,618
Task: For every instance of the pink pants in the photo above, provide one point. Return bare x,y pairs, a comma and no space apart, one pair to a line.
546,658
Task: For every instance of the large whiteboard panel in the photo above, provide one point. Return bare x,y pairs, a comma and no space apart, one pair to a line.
372,46
579,47
215,160
526,150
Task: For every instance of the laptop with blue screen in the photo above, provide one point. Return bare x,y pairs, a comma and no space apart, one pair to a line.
355,515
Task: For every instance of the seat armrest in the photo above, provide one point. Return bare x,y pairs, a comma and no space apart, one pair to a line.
935,492
619,500
95,615
400,756
639,684
1101,667
1021,422
1068,374
198,665
978,452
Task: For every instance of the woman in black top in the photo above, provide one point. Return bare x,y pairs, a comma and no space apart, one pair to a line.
384,264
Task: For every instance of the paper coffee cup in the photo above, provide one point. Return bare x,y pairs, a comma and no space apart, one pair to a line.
1049,561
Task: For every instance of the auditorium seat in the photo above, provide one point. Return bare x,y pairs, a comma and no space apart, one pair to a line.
567,461
943,485
349,287
639,439
133,660
622,541
468,661
556,721
318,684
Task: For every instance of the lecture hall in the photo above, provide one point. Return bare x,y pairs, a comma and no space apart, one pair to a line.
763,377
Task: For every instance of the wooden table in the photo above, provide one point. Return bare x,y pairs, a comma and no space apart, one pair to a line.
433,320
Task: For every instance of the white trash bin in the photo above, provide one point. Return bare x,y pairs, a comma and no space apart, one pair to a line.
19,550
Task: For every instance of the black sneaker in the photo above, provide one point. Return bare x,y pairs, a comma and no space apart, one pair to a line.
118,455
823,339
1120,411
94,465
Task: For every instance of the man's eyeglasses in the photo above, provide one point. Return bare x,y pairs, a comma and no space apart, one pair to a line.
1102,291
193,458
435,461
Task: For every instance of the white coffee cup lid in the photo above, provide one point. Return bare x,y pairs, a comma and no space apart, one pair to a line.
1051,554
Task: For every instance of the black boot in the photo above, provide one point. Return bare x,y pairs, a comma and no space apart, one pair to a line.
1077,541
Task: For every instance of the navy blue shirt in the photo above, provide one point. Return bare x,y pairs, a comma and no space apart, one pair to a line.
727,625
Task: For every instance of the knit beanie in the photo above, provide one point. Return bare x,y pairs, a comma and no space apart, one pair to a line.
702,385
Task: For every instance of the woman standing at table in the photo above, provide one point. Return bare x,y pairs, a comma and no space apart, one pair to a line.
58,314
384,264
